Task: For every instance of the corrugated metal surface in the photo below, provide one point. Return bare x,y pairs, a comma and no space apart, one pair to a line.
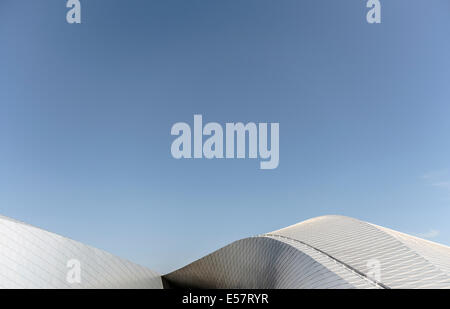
405,261
33,258
267,262
324,252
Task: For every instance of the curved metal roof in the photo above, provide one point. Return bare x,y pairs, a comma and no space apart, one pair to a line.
33,258
323,252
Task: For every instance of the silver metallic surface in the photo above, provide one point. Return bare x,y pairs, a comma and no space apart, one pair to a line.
33,258
324,252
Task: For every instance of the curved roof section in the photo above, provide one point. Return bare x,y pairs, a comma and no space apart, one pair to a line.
323,252
404,261
436,254
33,258
267,263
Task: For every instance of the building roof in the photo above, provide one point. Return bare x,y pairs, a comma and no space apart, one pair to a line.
323,252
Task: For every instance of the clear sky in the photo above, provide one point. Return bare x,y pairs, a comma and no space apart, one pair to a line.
86,112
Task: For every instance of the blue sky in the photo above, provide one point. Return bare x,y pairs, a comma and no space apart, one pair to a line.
86,112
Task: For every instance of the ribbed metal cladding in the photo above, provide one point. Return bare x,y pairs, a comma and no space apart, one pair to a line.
324,252
405,261
267,263
33,258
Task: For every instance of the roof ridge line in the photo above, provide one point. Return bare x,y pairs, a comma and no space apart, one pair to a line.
352,269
